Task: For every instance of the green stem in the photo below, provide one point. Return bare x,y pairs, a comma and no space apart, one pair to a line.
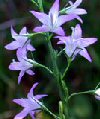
97,85
46,109
63,91
34,3
42,66
64,74
31,34
80,93
40,5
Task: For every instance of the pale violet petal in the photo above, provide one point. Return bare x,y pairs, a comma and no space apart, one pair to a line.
55,8
77,3
42,17
62,39
76,32
13,33
21,53
65,18
80,11
31,93
15,66
97,97
84,42
23,31
59,31
22,114
85,54
30,47
12,46
21,74
30,72
22,102
41,29
40,96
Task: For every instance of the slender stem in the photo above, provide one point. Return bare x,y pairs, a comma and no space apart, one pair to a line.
34,3
97,85
64,74
31,34
60,52
42,66
63,91
80,93
53,57
46,109
40,5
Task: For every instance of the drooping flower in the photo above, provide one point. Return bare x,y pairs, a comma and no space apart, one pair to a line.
53,21
72,9
97,92
20,40
24,66
75,44
29,104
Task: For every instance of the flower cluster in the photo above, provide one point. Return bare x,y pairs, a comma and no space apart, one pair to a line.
52,22
22,45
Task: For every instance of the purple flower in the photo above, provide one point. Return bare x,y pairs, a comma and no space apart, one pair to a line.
20,40
29,104
75,44
53,21
72,9
24,66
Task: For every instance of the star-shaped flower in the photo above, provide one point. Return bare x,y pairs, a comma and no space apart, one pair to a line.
53,21
72,9
29,104
24,66
75,44
20,40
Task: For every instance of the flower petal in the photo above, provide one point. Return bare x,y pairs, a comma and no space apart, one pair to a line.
62,39
21,74
40,96
22,114
55,8
42,17
30,47
76,32
59,31
85,54
30,72
87,41
13,33
41,29
23,31
12,46
79,11
97,97
31,93
21,53
22,102
65,18
77,3
15,66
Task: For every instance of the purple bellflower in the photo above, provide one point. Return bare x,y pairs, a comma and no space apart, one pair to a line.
53,21
72,9
20,40
29,104
24,66
75,44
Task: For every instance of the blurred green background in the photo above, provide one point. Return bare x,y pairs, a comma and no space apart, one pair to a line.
82,75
